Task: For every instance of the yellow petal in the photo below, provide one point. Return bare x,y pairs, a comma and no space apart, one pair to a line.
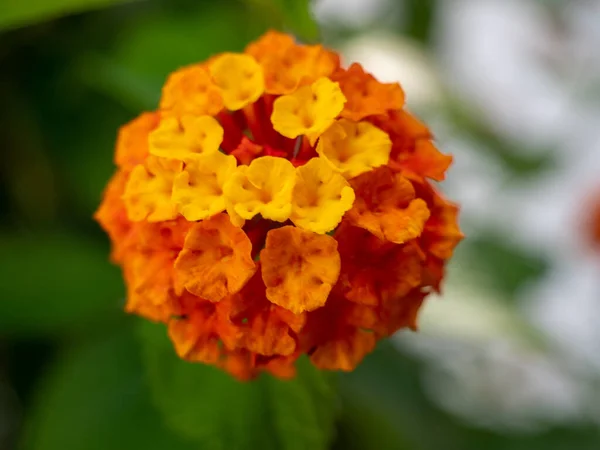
321,197
147,193
198,189
353,148
264,187
240,78
178,138
308,111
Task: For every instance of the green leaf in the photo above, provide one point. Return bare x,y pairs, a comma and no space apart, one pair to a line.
55,280
160,41
506,266
94,398
363,426
219,412
16,13
289,15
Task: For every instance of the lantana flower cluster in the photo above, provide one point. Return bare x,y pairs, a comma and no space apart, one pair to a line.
278,204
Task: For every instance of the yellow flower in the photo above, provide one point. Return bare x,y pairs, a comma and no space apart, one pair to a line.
321,197
198,189
264,187
178,138
308,111
240,78
353,148
147,193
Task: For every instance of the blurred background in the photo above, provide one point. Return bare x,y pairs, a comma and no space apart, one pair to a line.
507,358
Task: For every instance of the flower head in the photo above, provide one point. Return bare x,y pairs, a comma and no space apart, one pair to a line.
277,205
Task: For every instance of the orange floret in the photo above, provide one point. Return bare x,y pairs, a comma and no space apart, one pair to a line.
299,268
440,235
366,96
112,215
278,206
386,206
190,90
413,153
215,260
132,141
287,65
374,271
149,277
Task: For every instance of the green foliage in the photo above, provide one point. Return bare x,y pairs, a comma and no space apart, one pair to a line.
54,280
203,403
94,398
289,15
15,13
506,266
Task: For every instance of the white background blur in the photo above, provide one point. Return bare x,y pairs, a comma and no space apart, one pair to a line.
528,71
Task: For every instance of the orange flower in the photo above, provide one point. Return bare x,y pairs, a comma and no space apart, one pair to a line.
215,260
190,90
374,271
112,215
367,96
440,235
413,154
132,142
386,206
150,291
278,205
299,268
287,65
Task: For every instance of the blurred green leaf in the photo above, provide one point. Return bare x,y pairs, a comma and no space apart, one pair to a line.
523,162
94,398
55,280
363,426
161,40
290,15
506,266
16,13
219,412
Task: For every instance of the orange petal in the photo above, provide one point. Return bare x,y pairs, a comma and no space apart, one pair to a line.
132,141
371,272
190,90
442,233
386,206
344,352
426,161
264,328
149,277
194,338
299,268
112,215
215,260
366,96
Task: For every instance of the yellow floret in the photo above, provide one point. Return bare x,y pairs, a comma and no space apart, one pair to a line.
264,187
353,148
308,111
321,197
240,79
198,189
178,138
147,193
